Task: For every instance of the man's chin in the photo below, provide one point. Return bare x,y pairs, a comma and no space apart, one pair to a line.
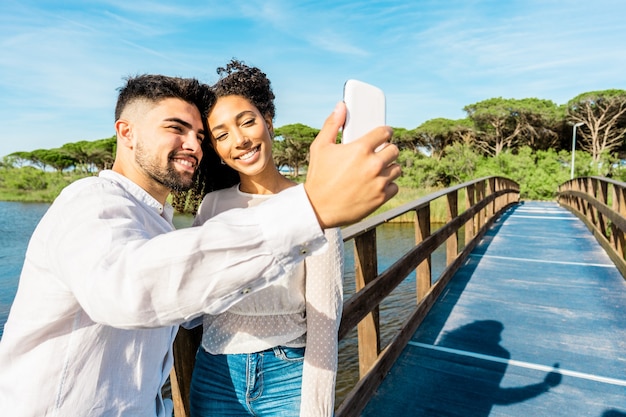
180,184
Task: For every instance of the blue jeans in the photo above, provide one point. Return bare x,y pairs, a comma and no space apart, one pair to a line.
266,383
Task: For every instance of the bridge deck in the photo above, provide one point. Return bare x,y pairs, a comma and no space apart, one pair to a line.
534,324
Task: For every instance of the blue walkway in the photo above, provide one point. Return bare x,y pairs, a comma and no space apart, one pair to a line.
534,324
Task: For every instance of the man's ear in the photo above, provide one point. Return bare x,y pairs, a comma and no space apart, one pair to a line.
124,132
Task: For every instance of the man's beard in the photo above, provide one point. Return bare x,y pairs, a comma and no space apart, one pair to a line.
168,176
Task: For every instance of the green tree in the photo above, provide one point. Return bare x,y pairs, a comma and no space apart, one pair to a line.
26,179
18,159
102,152
407,139
418,170
79,152
293,149
53,158
458,164
437,134
602,114
509,123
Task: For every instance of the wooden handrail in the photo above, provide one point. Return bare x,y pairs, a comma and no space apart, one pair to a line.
485,199
600,203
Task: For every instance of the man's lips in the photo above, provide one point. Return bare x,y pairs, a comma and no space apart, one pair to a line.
187,161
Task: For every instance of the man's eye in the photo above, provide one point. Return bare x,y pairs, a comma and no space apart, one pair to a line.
200,138
176,128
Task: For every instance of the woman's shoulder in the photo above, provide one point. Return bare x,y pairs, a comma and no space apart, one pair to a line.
215,202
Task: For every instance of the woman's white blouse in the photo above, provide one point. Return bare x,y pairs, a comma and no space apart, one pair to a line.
302,307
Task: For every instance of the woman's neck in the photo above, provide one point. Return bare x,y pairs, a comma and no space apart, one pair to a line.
267,184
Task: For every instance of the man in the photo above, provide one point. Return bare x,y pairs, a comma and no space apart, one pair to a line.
106,280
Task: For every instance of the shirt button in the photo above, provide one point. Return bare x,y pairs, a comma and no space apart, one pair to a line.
303,251
246,291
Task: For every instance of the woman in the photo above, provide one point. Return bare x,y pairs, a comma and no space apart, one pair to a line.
275,352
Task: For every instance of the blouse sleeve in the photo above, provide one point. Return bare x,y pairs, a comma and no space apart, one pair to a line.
324,302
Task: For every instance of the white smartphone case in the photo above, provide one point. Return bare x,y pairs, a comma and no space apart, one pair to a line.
366,109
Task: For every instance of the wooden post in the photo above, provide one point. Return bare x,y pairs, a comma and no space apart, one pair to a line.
470,230
480,196
602,188
491,189
452,243
423,272
619,207
185,347
366,263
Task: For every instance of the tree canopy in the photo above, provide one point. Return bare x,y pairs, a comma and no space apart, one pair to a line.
509,123
293,149
602,119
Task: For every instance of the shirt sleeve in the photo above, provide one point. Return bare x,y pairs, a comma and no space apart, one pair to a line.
324,302
126,276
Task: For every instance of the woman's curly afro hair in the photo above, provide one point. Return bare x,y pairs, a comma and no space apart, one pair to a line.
250,82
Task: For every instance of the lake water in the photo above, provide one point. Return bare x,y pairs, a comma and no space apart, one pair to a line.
17,223
18,220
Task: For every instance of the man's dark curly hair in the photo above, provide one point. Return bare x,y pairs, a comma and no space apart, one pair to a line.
236,79
155,88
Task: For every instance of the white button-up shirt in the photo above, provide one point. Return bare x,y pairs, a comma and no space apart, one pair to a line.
106,281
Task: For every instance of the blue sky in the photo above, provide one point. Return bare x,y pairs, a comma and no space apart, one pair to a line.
61,62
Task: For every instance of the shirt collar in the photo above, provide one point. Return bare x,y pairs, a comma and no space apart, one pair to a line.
167,211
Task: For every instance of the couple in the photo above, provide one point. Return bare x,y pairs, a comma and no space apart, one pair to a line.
106,280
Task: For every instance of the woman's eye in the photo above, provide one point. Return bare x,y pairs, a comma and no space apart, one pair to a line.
220,137
248,122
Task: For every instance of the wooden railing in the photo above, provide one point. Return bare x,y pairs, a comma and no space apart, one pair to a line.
601,204
484,200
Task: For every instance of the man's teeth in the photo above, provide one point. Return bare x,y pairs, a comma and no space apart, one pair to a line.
185,162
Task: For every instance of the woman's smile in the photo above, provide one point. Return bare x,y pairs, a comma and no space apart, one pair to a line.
250,154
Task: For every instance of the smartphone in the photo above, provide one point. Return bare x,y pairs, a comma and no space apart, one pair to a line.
366,109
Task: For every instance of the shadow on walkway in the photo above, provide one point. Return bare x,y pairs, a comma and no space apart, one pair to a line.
459,376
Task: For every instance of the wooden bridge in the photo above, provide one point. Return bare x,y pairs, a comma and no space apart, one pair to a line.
527,318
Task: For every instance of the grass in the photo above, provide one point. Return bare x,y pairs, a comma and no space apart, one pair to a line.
438,209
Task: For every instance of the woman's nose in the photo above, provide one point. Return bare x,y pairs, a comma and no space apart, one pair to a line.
241,140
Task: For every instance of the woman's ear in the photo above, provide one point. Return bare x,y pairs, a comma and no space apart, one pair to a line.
270,125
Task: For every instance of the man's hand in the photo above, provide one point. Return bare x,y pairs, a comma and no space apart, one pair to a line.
346,182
